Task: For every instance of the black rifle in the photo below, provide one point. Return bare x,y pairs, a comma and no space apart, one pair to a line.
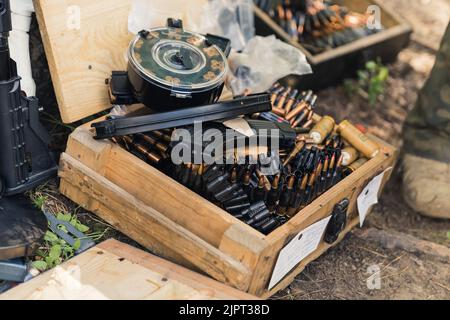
25,159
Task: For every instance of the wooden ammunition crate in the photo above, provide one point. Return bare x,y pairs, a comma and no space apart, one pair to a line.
139,200
115,271
332,66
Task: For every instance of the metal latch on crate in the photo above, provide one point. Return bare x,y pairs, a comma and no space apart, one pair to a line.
338,221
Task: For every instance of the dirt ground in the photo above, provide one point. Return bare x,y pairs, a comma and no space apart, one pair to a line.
343,272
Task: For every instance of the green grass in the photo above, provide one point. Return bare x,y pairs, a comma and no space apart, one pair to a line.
54,250
370,84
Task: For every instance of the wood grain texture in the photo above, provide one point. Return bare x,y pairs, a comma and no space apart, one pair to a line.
147,226
80,59
153,187
176,223
116,271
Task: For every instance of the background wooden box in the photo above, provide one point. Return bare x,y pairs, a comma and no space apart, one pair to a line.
142,202
332,66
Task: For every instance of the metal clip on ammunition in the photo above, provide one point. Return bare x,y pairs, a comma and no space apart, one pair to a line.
218,184
254,209
238,208
228,193
269,226
242,199
213,173
260,216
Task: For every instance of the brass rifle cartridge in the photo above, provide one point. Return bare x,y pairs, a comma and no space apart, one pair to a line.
301,23
295,205
286,196
282,98
291,24
275,94
323,176
322,129
298,148
260,192
281,16
275,87
193,175
317,182
291,101
349,155
358,140
310,188
306,115
154,142
163,136
151,156
246,184
308,124
330,171
199,179
300,106
279,112
234,173
186,173
356,165
337,172
274,195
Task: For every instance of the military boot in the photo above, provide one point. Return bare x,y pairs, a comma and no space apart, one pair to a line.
426,164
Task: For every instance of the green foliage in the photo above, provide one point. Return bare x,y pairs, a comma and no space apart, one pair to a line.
55,250
371,82
40,201
448,235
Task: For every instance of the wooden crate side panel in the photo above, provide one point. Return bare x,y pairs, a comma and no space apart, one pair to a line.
323,248
153,187
88,203
170,198
138,221
113,270
90,152
243,246
169,270
82,56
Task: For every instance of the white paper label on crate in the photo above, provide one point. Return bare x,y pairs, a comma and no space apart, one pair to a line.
369,196
305,243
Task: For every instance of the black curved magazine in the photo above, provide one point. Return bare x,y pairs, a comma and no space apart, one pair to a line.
220,111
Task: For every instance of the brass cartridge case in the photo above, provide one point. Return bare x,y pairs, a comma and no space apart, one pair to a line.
358,140
322,129
349,155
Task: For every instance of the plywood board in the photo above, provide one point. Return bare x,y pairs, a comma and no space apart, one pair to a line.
84,41
116,271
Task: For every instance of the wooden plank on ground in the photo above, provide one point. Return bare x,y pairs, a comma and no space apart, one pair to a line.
116,271
84,41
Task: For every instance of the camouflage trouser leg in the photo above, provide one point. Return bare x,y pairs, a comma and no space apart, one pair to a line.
427,128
